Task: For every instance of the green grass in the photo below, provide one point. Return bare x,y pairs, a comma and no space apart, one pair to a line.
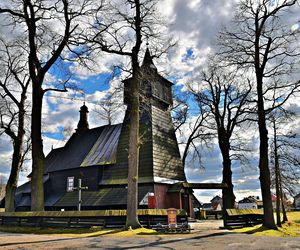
288,229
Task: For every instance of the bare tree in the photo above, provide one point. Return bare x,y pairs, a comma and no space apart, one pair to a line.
14,83
180,110
277,173
224,97
48,27
259,43
122,30
285,160
192,131
108,108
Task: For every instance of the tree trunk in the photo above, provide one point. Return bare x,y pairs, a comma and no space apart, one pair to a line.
12,182
285,218
265,180
278,220
134,124
227,193
133,160
228,196
38,157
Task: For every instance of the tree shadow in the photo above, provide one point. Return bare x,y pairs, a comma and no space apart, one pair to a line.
256,230
161,242
34,242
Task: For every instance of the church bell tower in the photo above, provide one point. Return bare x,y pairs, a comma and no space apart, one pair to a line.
159,155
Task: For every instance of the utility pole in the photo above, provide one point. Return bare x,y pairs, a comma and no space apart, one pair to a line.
79,188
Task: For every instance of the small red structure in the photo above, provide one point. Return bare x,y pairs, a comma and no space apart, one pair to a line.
172,217
151,201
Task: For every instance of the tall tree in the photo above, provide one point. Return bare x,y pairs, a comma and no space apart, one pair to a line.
14,83
285,160
259,42
48,27
125,26
224,97
277,173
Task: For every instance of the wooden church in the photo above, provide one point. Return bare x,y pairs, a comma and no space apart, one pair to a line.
98,157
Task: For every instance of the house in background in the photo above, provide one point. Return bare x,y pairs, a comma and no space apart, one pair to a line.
248,202
217,203
2,191
207,207
274,198
99,157
297,201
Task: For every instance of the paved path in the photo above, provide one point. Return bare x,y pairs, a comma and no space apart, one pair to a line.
198,239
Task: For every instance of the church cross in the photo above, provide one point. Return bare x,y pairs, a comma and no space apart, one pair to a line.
79,188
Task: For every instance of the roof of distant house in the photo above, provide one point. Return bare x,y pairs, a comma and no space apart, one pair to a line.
249,199
297,196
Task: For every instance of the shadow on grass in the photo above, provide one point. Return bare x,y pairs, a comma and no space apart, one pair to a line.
256,230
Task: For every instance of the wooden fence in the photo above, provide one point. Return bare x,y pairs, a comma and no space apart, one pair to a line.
103,218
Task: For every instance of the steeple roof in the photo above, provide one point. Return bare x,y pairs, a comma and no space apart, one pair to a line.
148,62
83,124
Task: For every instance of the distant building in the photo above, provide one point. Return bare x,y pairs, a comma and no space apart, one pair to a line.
274,198
297,201
2,191
217,203
207,207
248,202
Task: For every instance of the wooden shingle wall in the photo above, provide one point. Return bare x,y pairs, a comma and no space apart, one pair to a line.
166,157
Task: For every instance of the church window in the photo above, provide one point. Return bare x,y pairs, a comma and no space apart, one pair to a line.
70,184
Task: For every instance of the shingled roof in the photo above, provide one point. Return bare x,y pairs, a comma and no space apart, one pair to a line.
96,146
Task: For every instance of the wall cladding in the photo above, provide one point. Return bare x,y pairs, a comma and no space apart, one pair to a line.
166,157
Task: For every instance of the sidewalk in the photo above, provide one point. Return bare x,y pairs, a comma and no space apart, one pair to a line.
206,224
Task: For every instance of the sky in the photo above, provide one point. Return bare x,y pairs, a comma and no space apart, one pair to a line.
194,24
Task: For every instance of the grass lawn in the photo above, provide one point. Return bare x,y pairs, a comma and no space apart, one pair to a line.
290,228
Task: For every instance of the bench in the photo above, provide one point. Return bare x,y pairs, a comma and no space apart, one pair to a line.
242,218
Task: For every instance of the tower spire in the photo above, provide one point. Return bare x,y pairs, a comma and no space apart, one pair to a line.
83,124
148,62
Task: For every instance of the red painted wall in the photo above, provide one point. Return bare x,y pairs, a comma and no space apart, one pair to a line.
165,199
170,200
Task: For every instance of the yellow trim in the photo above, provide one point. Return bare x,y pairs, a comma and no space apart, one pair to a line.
90,213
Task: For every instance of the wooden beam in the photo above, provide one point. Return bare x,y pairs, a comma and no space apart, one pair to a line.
205,185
